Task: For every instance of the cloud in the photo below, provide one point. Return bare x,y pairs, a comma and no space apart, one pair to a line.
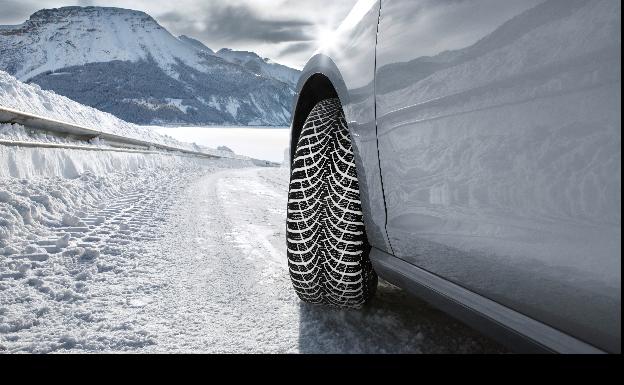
14,12
239,23
283,30
297,48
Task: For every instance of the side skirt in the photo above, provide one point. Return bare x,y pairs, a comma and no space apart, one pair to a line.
512,329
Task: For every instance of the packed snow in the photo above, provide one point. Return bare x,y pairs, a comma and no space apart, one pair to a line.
65,221
129,252
19,133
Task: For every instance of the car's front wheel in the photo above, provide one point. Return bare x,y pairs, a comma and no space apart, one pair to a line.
327,245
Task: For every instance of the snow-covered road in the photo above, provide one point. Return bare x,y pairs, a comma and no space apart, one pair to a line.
198,264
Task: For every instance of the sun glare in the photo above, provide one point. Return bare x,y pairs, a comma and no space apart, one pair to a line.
325,37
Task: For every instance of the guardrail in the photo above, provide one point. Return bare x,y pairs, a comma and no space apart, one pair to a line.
84,147
8,115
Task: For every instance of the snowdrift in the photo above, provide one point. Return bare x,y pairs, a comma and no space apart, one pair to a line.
33,100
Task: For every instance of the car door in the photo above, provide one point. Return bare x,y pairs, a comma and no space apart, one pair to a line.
499,134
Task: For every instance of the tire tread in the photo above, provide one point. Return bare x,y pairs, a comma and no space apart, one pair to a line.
326,239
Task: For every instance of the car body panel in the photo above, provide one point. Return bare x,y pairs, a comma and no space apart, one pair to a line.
499,132
348,60
515,330
487,136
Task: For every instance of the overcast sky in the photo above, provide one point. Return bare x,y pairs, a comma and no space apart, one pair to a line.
283,30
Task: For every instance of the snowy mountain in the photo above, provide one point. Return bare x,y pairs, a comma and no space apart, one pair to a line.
195,44
260,66
123,62
32,99
251,61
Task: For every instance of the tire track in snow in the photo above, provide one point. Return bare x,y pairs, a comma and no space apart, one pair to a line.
79,290
196,262
230,291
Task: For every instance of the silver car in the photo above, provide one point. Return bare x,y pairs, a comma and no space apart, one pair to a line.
468,152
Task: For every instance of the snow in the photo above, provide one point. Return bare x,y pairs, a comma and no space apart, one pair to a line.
103,48
32,99
232,107
195,43
18,133
155,105
105,251
168,254
262,67
75,36
213,103
65,219
256,142
177,103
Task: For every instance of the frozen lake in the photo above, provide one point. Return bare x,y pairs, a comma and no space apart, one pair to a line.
267,143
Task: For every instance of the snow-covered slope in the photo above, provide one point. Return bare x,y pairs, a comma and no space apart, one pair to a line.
57,38
260,66
32,99
123,62
249,60
195,44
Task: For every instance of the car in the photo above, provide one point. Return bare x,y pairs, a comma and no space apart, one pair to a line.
468,152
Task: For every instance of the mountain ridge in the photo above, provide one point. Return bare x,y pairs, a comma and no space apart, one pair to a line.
83,52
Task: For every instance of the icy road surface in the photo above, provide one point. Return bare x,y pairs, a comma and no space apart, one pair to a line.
198,264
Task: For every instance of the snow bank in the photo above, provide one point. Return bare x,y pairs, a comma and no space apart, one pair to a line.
58,235
68,218
33,100
45,186
84,173
19,133
26,163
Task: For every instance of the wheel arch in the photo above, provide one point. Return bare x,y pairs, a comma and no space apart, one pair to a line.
320,79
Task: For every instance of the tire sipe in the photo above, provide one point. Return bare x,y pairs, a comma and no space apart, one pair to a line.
327,246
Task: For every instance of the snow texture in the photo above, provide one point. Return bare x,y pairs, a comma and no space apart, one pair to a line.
118,252
19,133
64,226
260,66
32,99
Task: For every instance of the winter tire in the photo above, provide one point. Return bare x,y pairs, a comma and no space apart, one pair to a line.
327,245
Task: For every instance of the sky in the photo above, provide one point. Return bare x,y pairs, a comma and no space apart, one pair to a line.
283,30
